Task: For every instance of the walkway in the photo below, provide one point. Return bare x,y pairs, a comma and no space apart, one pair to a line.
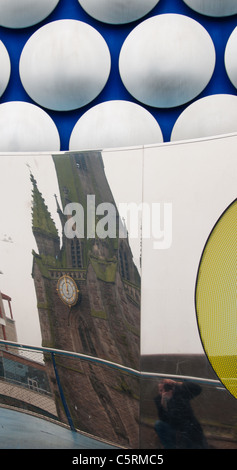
23,431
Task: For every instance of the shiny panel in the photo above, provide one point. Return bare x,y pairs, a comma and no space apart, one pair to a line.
167,60
5,70
213,7
26,128
230,57
23,13
117,11
65,65
115,124
209,116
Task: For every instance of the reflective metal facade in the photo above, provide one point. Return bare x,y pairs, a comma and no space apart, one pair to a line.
162,56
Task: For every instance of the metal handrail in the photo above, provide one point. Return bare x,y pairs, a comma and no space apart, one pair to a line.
96,360
105,362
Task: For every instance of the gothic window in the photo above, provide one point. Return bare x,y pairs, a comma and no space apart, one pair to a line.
76,254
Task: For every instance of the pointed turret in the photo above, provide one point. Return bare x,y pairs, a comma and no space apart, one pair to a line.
62,217
43,226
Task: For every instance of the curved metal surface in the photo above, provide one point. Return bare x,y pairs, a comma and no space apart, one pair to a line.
117,11
216,8
230,57
209,116
65,65
24,13
160,67
25,127
5,71
115,124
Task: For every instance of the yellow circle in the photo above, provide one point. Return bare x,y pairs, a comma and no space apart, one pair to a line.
216,305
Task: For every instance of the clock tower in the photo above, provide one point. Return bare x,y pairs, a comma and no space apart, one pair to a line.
88,295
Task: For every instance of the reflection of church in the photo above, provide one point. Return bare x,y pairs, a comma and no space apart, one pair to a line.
88,294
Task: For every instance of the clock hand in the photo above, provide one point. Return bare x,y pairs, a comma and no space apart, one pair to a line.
66,283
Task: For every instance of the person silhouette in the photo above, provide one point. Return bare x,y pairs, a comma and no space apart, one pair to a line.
177,426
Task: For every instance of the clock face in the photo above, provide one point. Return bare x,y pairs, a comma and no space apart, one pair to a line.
67,290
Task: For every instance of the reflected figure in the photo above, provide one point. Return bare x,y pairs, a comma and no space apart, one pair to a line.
177,426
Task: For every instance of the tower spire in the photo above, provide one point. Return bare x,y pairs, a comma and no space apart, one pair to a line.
42,222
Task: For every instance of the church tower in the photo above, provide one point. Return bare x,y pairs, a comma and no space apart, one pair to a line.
88,294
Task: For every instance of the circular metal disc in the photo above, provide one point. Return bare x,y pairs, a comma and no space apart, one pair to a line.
216,8
24,13
167,60
5,69
117,11
25,127
230,57
115,124
209,116
65,65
